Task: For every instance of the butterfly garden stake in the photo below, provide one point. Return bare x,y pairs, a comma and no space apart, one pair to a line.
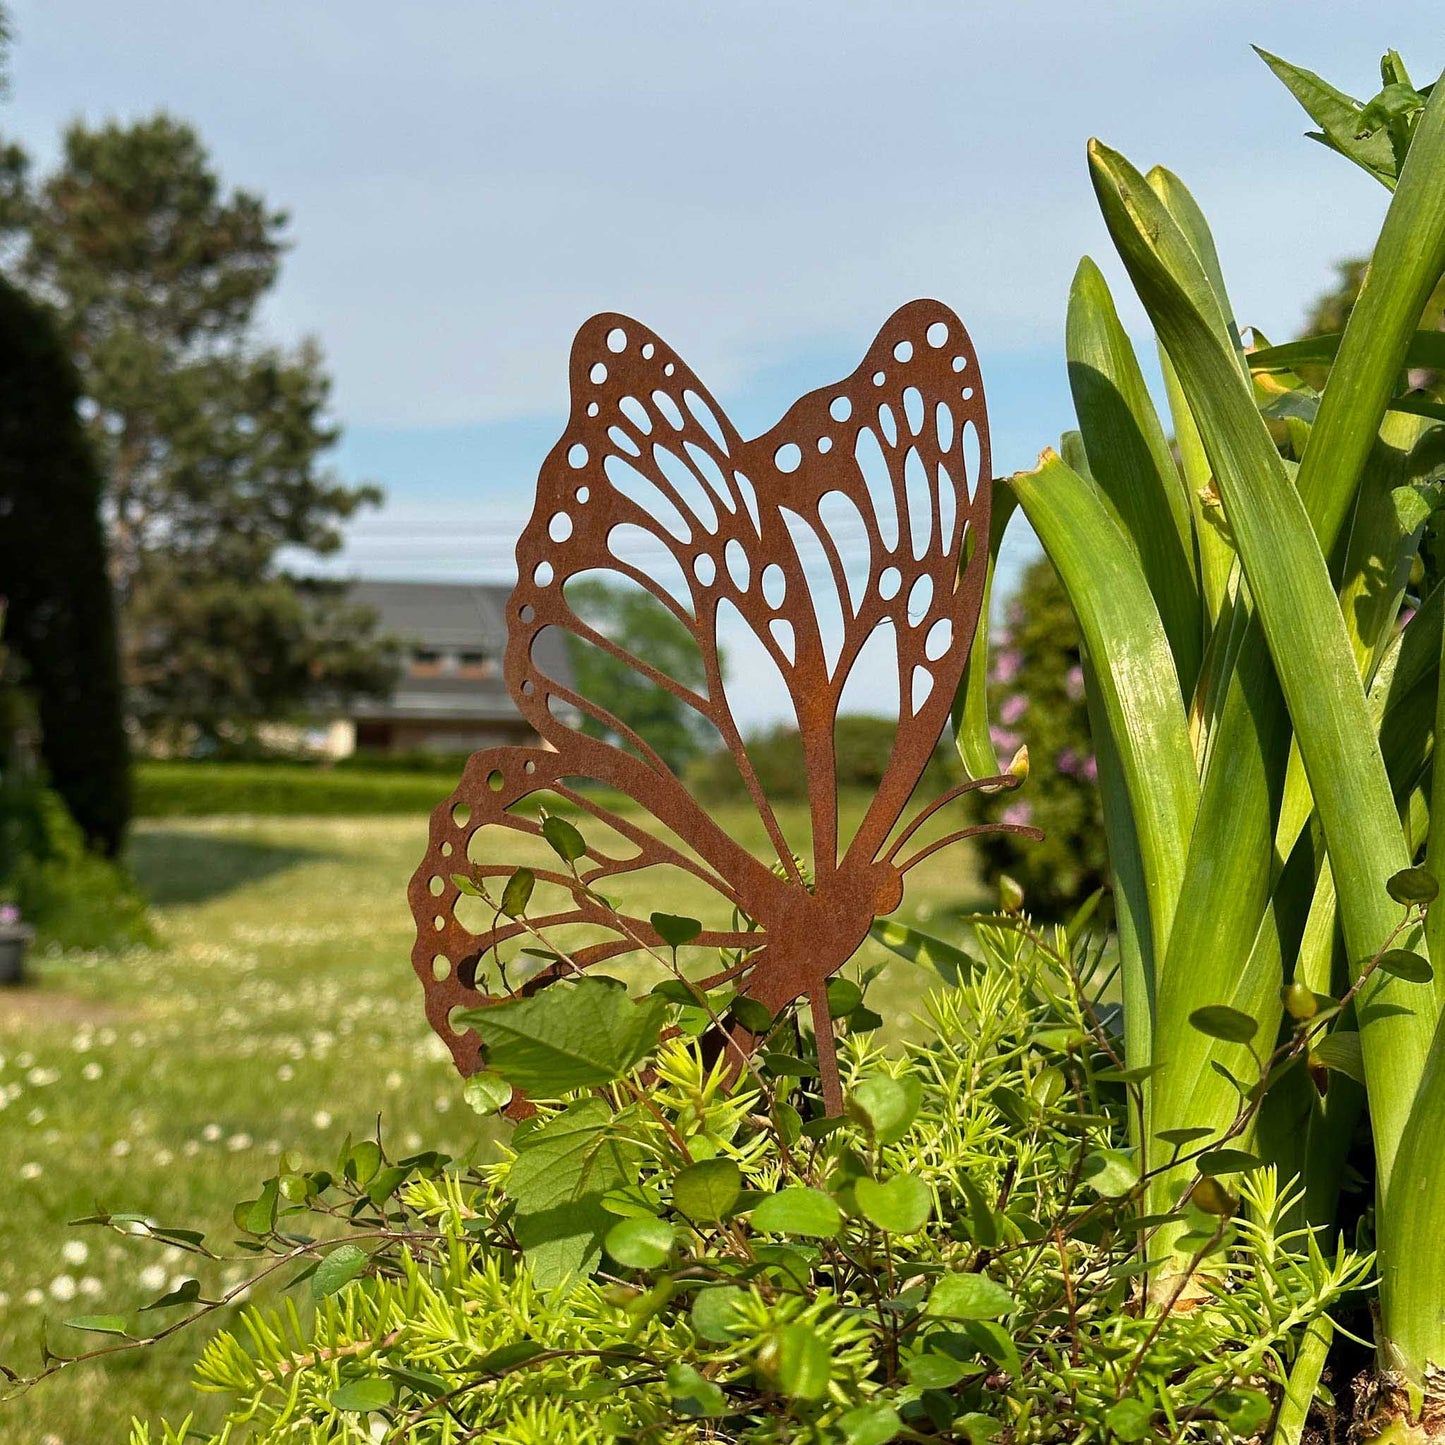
861,517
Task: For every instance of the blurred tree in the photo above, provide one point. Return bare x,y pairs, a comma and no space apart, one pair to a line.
641,626
1330,311
211,442
60,615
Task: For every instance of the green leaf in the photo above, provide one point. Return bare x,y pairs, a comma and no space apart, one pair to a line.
886,1106
996,1343
1341,1052
977,1428
363,1396
844,996
363,1161
1227,1161
675,931
1284,527
1338,117
693,1394
508,1357
260,1216
952,963
933,1371
1182,1138
983,1219
1136,683
1406,964
970,711
797,1358
576,1036
968,1297
339,1268
1219,1021
185,1293
1414,885
900,1205
798,1210
870,1425
640,1243
1130,1420
487,1092
1244,1411
1426,349
715,1315
100,1325
557,1182
565,841
1110,1172
518,892
1129,458
707,1190
751,1015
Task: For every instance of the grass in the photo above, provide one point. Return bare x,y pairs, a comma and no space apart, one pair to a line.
279,1013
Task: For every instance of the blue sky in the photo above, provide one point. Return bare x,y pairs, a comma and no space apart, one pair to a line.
761,181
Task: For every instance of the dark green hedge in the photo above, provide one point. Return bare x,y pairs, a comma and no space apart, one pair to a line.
61,616
193,790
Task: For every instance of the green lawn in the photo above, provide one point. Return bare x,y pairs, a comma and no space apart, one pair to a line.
279,1012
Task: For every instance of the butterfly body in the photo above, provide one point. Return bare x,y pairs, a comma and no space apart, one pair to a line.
860,519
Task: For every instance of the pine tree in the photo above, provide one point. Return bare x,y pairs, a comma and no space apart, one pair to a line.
211,442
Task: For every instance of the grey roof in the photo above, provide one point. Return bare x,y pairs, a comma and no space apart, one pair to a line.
440,614
454,616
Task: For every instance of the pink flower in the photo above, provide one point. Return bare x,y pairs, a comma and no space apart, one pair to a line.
1004,741
1007,665
1074,682
1018,814
1091,768
1067,762
1013,709
9,914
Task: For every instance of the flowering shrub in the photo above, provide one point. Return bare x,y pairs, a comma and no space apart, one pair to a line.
670,1257
1036,685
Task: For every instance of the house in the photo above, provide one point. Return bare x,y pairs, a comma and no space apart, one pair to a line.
450,697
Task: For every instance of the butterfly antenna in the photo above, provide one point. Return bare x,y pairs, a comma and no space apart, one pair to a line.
1022,830
987,785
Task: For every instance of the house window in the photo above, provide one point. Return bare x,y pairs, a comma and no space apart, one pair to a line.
474,665
426,662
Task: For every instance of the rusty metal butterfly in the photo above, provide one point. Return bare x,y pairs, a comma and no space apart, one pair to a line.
651,485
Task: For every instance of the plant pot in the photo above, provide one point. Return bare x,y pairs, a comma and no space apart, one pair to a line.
14,945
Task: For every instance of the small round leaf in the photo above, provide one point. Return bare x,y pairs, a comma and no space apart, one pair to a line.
707,1190
1227,1161
715,1312
566,842
886,1106
1219,1021
1406,965
1110,1172
900,1205
640,1243
675,931
363,1396
487,1092
798,1210
339,1268
1413,885
968,1297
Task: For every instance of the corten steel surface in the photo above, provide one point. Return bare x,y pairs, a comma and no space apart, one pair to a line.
897,454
